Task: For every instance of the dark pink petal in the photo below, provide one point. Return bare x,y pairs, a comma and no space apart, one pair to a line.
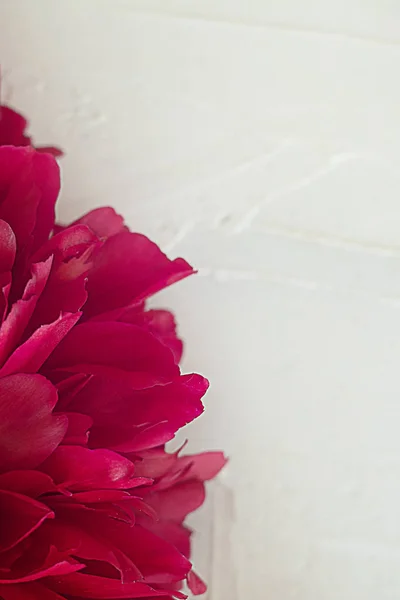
56,152
29,483
104,222
67,244
175,533
141,507
31,355
20,516
12,128
29,186
72,251
28,591
152,555
102,588
48,180
29,432
128,268
204,466
195,584
68,386
156,463
7,247
129,420
142,438
7,257
55,570
100,496
116,349
80,469
78,429
156,558
175,503
177,403
87,545
17,320
160,323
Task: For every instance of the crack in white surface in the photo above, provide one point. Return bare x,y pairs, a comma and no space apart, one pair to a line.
238,167
279,26
333,163
224,275
330,240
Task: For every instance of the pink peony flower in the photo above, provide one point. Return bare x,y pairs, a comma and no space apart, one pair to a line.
92,504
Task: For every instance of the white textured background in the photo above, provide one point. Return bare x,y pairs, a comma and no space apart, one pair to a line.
261,140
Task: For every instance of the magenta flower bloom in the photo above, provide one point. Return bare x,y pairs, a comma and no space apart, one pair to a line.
92,504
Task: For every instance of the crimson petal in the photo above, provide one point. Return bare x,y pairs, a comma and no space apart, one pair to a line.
117,349
28,431
31,355
17,320
29,185
20,516
175,503
129,268
102,588
160,323
29,483
104,222
28,591
196,584
81,469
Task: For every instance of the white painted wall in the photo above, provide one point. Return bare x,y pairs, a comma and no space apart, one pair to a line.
261,140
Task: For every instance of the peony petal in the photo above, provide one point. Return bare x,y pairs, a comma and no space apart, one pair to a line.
156,463
80,469
175,503
68,386
72,251
7,257
66,244
152,555
104,222
31,355
78,429
29,432
196,584
29,185
12,127
204,466
117,410
56,570
155,557
115,348
86,545
28,591
29,483
102,588
17,320
160,323
47,179
175,533
128,268
100,496
129,441
7,247
20,516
